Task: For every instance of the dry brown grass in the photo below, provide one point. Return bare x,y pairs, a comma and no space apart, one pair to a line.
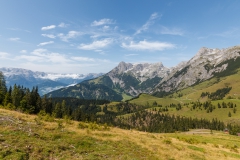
75,143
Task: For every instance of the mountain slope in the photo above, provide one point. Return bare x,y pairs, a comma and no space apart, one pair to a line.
86,91
206,64
129,80
125,80
190,95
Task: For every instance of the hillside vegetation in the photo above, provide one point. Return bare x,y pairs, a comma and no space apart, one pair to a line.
34,137
193,94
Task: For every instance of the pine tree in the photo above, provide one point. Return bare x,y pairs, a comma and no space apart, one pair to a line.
229,114
7,99
16,96
3,87
57,110
234,110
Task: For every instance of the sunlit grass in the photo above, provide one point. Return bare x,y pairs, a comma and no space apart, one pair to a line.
49,140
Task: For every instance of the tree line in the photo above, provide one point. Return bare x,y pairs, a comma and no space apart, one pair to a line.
29,101
218,94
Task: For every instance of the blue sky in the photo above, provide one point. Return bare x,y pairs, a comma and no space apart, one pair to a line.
93,36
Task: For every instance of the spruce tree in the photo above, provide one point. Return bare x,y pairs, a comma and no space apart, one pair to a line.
229,114
16,96
3,87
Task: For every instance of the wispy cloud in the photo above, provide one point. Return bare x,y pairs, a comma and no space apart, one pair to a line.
104,21
4,55
145,45
128,55
14,39
45,43
18,29
30,58
48,27
40,56
171,31
62,25
49,36
70,35
23,51
100,51
43,55
95,45
233,32
150,22
105,28
86,59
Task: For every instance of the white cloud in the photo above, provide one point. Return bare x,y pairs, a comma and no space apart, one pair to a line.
48,27
18,29
4,55
62,25
173,31
14,39
23,51
39,51
148,23
128,55
102,22
100,51
231,33
45,43
49,36
86,59
30,58
96,44
95,36
70,35
145,45
105,28
43,55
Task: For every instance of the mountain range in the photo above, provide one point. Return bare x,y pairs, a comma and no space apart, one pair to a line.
46,82
128,80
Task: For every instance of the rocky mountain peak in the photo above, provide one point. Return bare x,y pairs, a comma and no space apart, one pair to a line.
123,66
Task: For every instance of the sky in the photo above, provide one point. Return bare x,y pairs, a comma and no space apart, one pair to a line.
93,36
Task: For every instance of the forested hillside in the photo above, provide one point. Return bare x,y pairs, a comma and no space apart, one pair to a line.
100,111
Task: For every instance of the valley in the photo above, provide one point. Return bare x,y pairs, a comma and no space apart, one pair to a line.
146,108
119,80
46,82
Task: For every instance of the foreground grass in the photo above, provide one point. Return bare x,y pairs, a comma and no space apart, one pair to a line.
27,137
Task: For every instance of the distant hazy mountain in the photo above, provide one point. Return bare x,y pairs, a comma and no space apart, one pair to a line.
128,80
46,82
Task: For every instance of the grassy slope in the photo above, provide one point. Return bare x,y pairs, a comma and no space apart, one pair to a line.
22,137
145,98
192,94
